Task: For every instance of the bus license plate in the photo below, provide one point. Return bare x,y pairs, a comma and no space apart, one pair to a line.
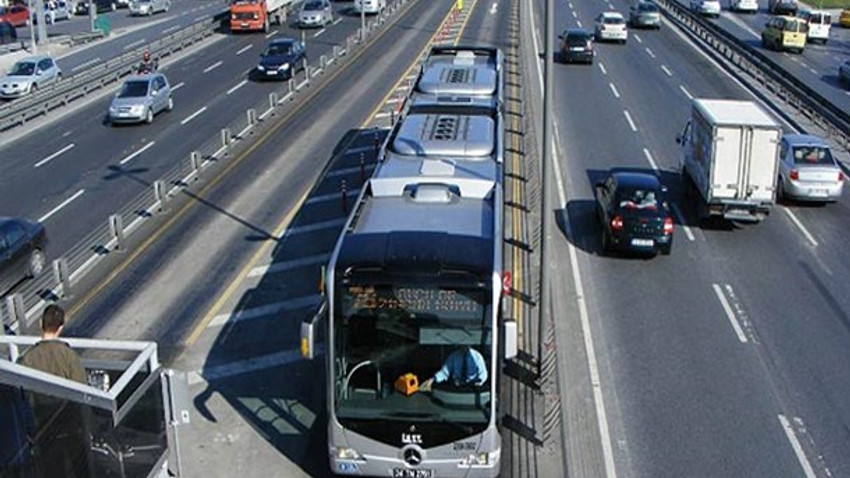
408,473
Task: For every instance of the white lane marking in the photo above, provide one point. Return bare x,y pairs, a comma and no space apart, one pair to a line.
64,203
667,70
88,63
571,5
337,21
177,86
253,364
134,44
798,449
575,15
319,33
649,52
260,271
686,92
271,34
140,151
729,313
813,71
244,49
614,90
602,67
578,23
53,156
171,29
649,158
598,399
639,40
198,19
800,226
494,8
238,85
213,66
193,115
629,119
803,64
264,310
681,220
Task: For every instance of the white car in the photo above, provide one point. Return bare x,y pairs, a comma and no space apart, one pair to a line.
709,8
749,6
611,26
369,6
149,7
55,11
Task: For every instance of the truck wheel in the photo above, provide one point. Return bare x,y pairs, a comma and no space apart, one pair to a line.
266,25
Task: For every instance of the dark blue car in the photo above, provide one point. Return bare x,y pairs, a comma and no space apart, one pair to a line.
634,213
22,245
281,59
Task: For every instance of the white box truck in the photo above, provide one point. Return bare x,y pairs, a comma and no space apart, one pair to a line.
730,159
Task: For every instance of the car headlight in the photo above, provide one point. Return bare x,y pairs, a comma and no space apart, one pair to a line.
284,67
137,109
261,68
345,453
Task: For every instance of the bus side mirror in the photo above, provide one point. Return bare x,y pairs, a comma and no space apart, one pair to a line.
510,338
308,332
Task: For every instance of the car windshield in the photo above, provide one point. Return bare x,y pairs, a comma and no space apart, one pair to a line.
578,39
387,331
313,6
813,155
638,199
134,89
279,49
612,20
23,68
648,8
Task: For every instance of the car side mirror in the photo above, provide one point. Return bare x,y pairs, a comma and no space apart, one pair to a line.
600,184
38,73
678,139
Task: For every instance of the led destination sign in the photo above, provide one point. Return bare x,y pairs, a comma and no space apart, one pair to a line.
445,303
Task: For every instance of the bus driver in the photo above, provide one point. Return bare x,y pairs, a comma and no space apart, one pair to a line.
464,367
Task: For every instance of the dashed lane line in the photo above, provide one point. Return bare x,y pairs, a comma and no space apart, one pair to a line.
213,66
54,155
629,119
614,90
140,151
193,115
60,206
730,314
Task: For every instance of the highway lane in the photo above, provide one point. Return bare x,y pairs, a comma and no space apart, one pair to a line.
817,66
111,165
688,397
272,414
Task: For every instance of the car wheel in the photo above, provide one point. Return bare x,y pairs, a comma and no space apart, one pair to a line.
149,116
780,192
34,88
170,105
35,265
606,241
665,251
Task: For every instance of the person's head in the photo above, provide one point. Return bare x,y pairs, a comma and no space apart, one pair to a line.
146,56
52,320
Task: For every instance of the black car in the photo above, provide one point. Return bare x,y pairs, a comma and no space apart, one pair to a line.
576,46
22,245
8,34
83,8
634,214
281,59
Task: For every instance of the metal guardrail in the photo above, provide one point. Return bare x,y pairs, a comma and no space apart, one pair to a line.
20,309
18,112
767,72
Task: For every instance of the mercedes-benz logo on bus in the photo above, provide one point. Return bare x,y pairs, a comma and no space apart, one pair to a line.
412,457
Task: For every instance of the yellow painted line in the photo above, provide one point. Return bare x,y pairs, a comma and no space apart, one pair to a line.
281,227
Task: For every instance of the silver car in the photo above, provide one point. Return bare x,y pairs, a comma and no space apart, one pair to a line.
28,75
645,15
141,97
149,7
315,13
807,170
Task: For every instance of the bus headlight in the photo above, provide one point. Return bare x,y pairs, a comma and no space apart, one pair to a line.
479,459
345,453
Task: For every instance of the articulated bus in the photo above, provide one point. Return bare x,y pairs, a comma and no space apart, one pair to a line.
416,279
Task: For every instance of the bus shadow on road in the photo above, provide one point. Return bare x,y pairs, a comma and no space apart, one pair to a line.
254,366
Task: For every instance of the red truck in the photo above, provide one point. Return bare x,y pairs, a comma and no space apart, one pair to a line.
257,15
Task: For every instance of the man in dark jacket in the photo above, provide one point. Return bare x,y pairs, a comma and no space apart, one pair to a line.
61,436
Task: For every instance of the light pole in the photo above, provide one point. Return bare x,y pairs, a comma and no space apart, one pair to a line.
33,45
544,307
362,19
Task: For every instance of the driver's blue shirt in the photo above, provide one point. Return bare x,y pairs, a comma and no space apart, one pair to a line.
463,368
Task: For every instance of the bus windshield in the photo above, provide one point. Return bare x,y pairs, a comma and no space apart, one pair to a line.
387,333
